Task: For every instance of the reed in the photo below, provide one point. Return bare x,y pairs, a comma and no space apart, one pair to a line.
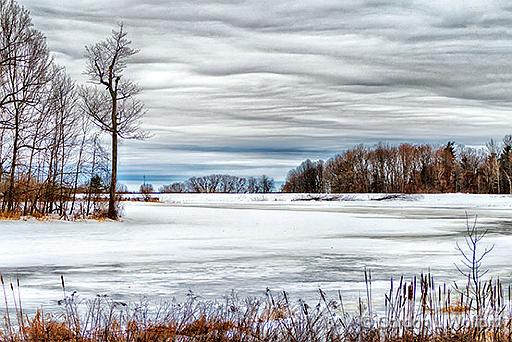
415,310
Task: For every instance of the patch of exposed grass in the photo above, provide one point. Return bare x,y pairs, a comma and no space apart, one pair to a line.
7,216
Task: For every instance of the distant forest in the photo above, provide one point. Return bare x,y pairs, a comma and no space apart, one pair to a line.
217,184
409,168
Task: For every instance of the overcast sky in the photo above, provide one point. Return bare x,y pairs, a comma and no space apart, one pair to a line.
256,86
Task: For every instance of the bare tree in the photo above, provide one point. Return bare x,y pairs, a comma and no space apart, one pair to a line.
265,184
205,184
25,70
16,30
252,185
472,258
116,110
146,189
176,187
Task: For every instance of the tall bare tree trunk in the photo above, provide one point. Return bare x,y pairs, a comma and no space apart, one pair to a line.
89,190
77,172
14,162
29,172
112,211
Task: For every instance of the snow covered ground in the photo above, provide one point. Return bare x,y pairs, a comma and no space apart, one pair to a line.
211,244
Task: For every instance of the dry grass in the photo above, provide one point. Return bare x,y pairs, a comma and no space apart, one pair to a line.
98,211
8,216
16,215
414,311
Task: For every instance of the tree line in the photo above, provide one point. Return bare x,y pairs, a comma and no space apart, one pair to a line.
217,183
409,168
52,145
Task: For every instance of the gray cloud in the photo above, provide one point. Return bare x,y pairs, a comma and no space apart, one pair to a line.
255,86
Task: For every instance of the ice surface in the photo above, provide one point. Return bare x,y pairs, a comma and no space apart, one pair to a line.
211,244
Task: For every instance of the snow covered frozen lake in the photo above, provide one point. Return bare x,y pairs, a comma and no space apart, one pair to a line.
211,244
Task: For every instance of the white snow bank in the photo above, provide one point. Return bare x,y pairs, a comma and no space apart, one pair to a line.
457,200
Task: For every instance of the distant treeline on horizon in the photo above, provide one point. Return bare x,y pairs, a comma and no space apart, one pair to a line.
383,168
217,183
408,168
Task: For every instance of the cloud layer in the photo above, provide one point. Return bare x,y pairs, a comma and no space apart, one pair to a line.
251,87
